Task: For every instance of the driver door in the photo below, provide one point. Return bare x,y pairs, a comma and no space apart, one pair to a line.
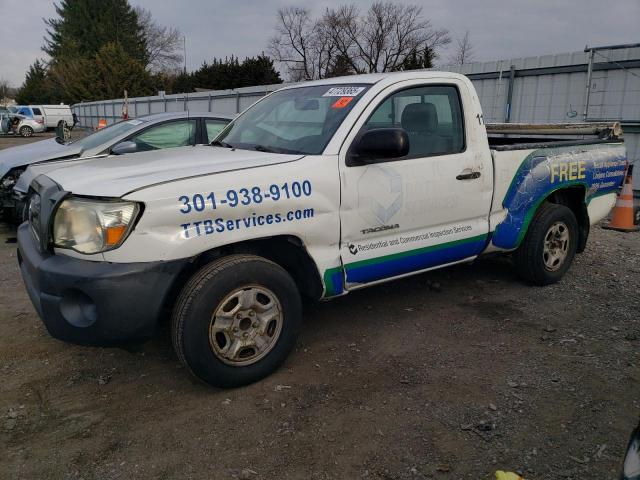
426,209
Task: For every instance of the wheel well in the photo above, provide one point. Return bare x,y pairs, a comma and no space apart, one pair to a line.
286,250
573,198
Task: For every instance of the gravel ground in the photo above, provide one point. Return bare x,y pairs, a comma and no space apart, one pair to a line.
446,375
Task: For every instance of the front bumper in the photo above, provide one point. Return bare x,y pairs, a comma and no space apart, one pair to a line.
95,303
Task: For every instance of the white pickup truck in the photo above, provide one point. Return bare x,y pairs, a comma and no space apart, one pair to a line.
316,190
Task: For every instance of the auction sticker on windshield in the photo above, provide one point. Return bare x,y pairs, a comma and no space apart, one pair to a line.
343,91
342,102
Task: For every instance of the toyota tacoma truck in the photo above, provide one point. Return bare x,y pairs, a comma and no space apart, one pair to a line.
317,190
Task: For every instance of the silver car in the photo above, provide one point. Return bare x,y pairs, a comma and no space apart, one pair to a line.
162,130
18,124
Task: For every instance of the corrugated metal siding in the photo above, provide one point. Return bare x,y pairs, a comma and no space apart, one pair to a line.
560,97
547,95
221,101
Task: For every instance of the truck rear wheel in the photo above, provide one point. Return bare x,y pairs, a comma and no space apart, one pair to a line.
236,320
549,246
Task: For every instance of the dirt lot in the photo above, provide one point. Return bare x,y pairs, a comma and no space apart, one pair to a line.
446,375
7,141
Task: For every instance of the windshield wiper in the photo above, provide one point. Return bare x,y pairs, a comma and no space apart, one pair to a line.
220,143
263,148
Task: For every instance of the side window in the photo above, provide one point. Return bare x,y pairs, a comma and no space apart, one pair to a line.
431,116
25,111
214,127
36,111
166,135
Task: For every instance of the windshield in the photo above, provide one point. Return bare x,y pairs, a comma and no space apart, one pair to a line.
296,120
107,134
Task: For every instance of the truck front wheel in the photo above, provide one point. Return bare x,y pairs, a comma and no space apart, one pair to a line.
549,246
236,320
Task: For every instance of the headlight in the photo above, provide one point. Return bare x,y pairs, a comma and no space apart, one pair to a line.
92,226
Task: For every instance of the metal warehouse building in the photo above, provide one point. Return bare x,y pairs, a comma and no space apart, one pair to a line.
599,84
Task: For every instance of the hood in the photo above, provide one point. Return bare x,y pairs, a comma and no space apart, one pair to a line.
43,168
25,155
115,176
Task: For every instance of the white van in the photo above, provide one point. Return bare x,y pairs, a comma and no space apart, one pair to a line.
48,115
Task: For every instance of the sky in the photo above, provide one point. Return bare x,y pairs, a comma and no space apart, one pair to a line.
499,29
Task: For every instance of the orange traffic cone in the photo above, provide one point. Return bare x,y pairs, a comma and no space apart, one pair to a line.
622,219
102,123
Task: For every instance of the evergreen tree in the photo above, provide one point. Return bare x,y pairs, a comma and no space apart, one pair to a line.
118,71
106,75
85,26
230,73
36,87
428,57
340,67
259,71
182,83
415,60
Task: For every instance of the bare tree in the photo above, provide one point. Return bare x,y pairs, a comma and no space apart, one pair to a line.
302,44
4,91
464,51
164,44
380,40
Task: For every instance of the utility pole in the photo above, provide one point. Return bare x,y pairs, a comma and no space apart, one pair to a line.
589,77
184,47
592,51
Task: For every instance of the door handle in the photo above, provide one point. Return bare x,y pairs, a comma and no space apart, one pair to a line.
468,176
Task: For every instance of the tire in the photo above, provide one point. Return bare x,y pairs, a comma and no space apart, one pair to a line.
221,292
26,131
636,216
543,264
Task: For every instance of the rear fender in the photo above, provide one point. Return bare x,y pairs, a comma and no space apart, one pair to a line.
598,169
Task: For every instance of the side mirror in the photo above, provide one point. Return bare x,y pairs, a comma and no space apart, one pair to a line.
378,145
125,147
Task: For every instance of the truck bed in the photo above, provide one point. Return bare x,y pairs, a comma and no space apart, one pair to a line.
523,136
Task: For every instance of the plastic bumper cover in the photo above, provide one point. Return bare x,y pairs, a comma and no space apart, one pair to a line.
95,303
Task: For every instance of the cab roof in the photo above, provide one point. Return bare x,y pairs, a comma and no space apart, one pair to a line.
387,77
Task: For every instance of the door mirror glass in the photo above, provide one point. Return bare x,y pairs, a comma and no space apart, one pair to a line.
124,147
379,145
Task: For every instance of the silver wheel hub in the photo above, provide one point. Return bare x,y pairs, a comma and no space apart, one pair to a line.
556,246
246,325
